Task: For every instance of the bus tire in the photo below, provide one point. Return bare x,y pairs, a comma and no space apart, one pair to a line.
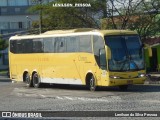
36,80
27,80
123,87
92,84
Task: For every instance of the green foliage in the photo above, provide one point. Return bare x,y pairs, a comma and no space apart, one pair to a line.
131,15
140,16
3,44
69,17
147,26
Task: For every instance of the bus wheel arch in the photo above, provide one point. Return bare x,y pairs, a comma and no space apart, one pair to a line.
36,80
27,79
90,81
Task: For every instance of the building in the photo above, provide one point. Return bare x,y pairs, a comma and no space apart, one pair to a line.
153,63
14,15
15,18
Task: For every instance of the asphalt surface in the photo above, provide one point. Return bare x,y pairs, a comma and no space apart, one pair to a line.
17,97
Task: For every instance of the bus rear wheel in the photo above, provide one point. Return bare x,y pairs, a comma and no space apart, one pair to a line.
36,80
27,80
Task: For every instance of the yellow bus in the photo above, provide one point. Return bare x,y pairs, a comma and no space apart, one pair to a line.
79,56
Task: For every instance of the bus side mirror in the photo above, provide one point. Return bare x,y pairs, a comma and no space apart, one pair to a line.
146,46
102,58
109,54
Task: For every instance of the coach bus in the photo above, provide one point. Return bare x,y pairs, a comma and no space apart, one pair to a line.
79,56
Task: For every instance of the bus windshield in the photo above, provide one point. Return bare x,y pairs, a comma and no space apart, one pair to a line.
127,53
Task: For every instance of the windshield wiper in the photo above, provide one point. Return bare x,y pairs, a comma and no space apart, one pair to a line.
131,60
124,63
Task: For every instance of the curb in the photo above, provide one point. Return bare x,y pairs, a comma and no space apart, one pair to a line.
3,74
151,82
8,80
4,78
153,79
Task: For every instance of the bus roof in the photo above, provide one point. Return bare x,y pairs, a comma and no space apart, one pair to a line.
76,32
104,32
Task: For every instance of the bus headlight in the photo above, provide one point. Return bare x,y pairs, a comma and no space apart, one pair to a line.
141,75
114,77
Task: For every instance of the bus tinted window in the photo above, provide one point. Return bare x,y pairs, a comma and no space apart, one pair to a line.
48,45
13,44
28,46
38,46
53,45
72,44
60,45
98,43
85,44
19,46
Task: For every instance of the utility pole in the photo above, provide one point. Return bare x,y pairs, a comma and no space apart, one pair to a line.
29,21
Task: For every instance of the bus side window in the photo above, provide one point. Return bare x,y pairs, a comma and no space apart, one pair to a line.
72,44
19,46
28,46
37,45
85,44
98,44
102,59
13,44
60,45
48,45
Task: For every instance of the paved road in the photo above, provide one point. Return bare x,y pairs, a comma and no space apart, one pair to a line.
17,97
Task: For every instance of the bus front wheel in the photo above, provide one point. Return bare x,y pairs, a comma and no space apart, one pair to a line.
92,84
36,80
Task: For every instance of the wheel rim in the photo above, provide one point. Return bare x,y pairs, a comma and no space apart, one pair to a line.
36,81
92,84
27,79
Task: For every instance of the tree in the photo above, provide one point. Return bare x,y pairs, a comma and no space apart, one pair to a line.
136,15
3,44
120,12
71,17
149,23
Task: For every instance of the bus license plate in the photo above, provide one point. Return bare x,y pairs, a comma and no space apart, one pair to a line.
130,82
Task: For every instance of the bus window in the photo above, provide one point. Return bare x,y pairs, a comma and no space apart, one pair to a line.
60,45
48,45
37,46
85,44
19,46
98,44
28,46
13,44
72,44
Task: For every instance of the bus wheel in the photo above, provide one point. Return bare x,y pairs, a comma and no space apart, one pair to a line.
123,87
27,80
36,80
92,84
